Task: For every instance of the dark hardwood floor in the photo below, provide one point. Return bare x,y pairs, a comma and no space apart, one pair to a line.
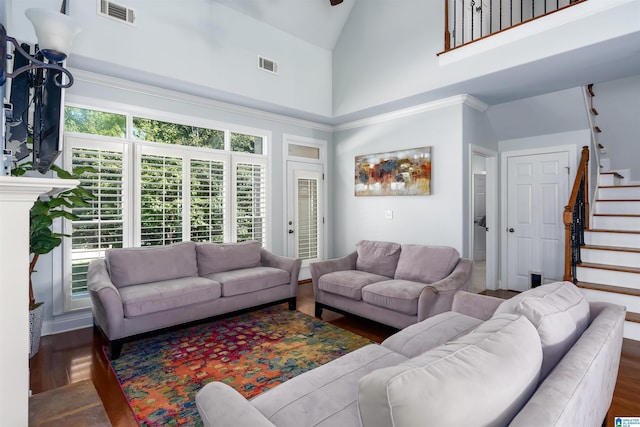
75,356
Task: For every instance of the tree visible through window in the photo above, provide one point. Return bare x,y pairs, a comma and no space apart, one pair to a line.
174,133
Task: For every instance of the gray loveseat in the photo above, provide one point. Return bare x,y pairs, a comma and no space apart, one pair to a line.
544,358
393,284
138,290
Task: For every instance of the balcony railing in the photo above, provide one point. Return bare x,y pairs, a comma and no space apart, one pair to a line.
467,21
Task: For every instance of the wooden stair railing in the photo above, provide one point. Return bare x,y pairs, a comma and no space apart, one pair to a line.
576,217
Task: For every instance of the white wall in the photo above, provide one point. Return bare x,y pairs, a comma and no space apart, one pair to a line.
477,130
433,219
555,112
197,47
618,103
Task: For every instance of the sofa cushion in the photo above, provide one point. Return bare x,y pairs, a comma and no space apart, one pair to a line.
396,295
167,294
426,264
378,258
482,378
420,337
348,283
327,395
217,257
560,313
247,280
132,266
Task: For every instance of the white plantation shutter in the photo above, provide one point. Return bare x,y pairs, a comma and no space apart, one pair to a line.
308,218
160,202
250,199
102,223
208,200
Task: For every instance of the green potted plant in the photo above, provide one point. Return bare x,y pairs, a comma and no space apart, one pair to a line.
43,240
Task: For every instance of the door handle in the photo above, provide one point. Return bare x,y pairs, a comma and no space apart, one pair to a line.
511,230
291,231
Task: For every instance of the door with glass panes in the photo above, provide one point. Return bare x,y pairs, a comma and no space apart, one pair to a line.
305,211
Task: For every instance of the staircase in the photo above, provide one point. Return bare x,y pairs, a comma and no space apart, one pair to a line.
610,267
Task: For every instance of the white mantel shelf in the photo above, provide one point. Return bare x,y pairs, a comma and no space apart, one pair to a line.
17,195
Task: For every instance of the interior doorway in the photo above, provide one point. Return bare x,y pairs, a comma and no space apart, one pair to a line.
483,218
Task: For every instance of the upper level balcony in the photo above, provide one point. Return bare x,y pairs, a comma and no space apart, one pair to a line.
467,21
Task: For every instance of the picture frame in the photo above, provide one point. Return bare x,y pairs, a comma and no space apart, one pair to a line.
395,173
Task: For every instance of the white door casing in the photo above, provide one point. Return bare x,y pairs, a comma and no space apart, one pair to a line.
304,159
537,190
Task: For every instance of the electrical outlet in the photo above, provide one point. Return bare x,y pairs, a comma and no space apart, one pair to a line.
388,214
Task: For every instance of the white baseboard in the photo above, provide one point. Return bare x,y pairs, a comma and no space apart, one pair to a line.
68,322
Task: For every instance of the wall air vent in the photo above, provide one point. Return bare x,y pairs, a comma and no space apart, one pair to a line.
267,65
116,11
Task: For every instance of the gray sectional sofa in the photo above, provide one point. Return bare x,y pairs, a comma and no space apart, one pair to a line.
138,290
544,358
393,284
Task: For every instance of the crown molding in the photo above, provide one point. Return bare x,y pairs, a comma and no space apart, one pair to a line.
172,95
416,109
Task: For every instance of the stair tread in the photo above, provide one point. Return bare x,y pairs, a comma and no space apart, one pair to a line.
620,186
609,267
632,317
602,230
618,200
609,288
612,173
612,248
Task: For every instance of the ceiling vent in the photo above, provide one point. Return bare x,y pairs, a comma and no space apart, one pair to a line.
116,11
267,65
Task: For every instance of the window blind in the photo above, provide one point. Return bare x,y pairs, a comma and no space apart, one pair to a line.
101,224
208,200
308,220
250,201
160,200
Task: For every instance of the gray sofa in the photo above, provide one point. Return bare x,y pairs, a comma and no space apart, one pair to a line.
544,358
138,290
393,284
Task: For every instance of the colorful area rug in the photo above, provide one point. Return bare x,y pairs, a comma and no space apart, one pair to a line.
250,352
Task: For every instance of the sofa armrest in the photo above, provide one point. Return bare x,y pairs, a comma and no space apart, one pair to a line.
475,305
437,297
220,405
107,307
320,268
292,265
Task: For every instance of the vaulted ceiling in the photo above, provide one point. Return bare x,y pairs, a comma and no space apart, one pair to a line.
314,21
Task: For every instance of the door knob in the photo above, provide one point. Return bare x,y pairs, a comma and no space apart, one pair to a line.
290,231
511,230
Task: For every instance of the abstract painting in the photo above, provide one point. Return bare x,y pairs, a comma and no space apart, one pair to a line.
396,173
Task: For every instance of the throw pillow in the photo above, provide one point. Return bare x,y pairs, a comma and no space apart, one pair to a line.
560,313
377,257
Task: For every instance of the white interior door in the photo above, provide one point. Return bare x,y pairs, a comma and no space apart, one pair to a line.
537,190
305,211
